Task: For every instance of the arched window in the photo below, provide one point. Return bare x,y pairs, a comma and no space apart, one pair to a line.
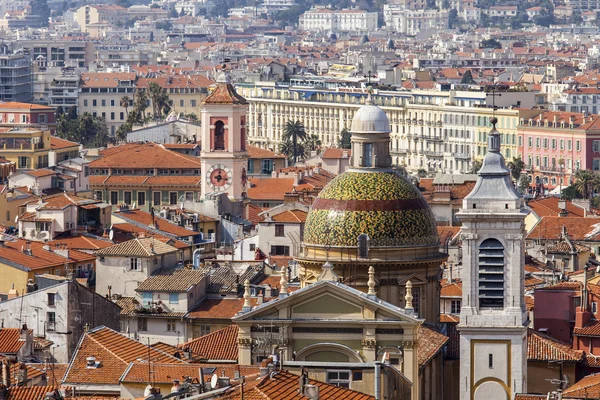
363,245
491,274
219,135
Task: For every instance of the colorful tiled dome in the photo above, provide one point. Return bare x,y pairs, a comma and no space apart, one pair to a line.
384,205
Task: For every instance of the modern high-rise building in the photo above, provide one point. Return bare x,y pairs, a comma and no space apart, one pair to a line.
16,78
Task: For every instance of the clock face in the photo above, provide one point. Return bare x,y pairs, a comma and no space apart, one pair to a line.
219,177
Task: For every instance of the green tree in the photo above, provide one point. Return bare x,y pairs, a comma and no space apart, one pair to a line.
453,19
421,173
173,12
467,78
516,166
291,150
160,99
124,102
139,106
85,129
523,183
345,139
475,166
294,131
312,143
585,182
40,7
491,44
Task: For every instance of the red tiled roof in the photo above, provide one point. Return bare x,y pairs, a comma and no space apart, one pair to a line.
453,289
587,388
563,286
548,206
145,218
430,343
336,153
28,393
578,229
114,351
591,329
224,93
9,340
9,105
166,373
148,155
284,386
57,143
220,345
258,153
38,173
217,308
290,216
105,79
541,347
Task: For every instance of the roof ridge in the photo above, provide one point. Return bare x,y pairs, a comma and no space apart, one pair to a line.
209,334
103,346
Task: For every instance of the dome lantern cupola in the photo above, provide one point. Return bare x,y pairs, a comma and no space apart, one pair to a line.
370,137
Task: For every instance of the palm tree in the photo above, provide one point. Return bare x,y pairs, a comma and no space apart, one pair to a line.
290,150
160,99
585,181
516,166
141,103
345,139
312,143
125,103
294,131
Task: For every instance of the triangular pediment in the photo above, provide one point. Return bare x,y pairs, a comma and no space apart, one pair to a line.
323,300
414,279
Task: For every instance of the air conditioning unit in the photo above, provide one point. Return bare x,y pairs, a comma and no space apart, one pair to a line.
43,235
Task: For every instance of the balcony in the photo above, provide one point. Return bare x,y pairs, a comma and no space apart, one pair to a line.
431,153
466,156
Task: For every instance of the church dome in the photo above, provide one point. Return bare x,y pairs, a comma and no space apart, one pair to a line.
370,119
384,205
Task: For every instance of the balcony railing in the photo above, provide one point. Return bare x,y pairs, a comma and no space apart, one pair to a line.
461,155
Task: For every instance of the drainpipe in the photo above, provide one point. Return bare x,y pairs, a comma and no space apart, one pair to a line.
377,380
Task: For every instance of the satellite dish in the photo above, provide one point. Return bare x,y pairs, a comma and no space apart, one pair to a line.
214,380
16,219
147,390
111,234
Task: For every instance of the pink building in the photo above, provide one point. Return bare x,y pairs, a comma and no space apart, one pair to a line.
554,145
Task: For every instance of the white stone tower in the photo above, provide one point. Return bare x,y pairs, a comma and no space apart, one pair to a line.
224,156
493,318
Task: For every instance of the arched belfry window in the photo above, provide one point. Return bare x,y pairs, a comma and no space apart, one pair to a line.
491,274
219,135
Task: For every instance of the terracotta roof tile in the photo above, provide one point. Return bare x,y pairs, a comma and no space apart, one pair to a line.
258,153
430,343
217,309
57,143
170,280
290,216
10,105
586,388
9,340
453,289
114,351
105,79
219,345
143,247
164,225
224,93
148,155
336,153
38,173
166,373
591,329
29,393
83,243
284,386
541,347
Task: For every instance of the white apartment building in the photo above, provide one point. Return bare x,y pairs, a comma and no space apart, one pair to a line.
410,22
321,19
431,130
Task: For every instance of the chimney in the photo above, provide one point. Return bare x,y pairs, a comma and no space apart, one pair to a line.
22,375
259,296
297,178
450,273
291,197
6,373
562,205
345,153
268,291
13,293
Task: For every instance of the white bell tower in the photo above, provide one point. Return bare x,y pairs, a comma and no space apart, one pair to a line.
224,156
493,317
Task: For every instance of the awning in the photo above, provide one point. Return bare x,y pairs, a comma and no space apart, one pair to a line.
306,95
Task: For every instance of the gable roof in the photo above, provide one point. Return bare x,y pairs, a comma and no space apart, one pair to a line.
587,388
140,247
430,343
578,229
114,351
148,155
259,153
145,218
171,280
221,345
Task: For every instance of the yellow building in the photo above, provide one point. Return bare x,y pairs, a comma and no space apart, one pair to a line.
21,260
33,148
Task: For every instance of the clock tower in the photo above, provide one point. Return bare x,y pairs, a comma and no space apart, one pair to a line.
224,156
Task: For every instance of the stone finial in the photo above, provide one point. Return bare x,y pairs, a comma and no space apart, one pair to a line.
328,273
247,306
371,283
283,291
409,298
